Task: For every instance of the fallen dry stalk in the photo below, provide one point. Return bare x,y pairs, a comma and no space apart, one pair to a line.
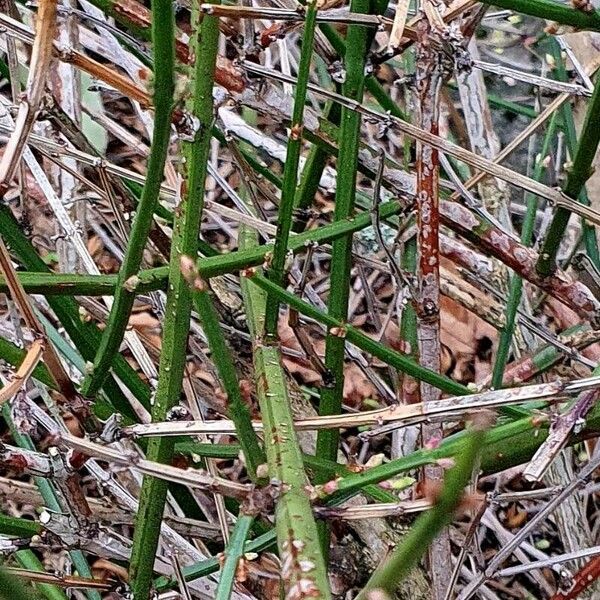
190,477
401,415
66,581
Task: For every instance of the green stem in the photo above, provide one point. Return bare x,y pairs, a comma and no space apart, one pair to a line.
276,271
360,340
17,527
341,256
552,11
179,299
579,173
297,535
589,232
84,335
312,172
502,447
56,284
163,45
516,282
12,589
233,554
415,543
238,409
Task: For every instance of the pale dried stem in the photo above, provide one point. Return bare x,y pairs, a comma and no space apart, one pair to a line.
453,408
491,569
190,477
30,104
66,581
24,372
561,429
51,359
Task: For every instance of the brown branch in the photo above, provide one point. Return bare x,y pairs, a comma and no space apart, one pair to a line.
105,73
70,581
429,81
135,13
582,581
520,259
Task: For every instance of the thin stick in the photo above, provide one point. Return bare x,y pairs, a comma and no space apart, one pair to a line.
45,27
453,408
24,372
398,26
70,581
189,477
435,141
51,359
548,562
492,567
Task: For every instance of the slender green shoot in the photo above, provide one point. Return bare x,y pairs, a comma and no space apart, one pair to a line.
341,256
28,560
579,173
429,524
516,282
221,354
276,271
212,565
553,11
18,527
84,335
312,172
560,72
233,553
179,302
163,44
60,284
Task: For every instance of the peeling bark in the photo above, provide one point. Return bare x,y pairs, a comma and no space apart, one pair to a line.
521,260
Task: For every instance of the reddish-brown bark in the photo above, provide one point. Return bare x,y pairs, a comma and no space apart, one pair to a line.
520,259
134,13
582,580
429,79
